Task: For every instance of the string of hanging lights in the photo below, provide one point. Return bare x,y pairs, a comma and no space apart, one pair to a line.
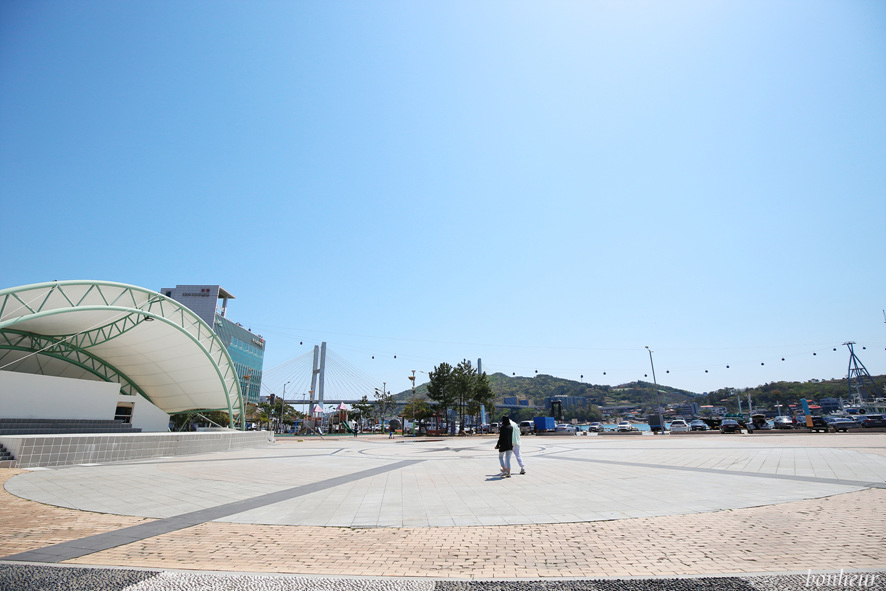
677,371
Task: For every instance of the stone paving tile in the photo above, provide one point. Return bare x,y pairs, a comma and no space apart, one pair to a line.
26,525
791,537
843,531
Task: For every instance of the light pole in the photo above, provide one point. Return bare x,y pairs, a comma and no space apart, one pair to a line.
412,379
657,398
282,402
310,410
382,404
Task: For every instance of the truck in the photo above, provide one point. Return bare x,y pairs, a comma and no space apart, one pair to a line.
544,424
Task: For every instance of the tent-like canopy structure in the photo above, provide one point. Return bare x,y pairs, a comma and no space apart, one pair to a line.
151,345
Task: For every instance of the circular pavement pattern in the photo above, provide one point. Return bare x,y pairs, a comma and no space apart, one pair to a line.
405,482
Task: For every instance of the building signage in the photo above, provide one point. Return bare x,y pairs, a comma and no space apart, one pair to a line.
204,293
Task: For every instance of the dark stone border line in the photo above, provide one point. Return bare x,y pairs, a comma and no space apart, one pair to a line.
720,471
38,577
98,542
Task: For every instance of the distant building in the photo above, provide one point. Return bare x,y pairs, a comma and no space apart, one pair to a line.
829,405
246,349
567,402
688,410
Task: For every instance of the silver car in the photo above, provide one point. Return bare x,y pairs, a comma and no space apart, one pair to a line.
698,425
783,422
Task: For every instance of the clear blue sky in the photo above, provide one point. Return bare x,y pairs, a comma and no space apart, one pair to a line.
550,186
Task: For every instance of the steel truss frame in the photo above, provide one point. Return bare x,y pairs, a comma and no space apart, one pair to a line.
133,306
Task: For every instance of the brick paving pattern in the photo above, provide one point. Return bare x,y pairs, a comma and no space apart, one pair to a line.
839,531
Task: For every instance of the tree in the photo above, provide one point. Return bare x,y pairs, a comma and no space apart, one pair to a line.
265,414
290,415
363,409
483,394
384,404
441,389
418,409
460,388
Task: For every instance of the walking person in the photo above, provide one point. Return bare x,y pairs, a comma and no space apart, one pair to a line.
505,446
516,429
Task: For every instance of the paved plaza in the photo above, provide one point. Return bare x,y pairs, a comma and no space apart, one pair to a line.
413,512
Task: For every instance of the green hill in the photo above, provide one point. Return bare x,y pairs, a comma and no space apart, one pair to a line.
768,395
536,389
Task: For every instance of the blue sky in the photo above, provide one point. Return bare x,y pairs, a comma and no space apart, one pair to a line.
549,186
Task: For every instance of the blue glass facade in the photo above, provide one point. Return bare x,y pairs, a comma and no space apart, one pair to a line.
247,350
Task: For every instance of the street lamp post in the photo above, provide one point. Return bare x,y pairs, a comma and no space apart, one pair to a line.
412,379
310,409
657,398
381,405
282,403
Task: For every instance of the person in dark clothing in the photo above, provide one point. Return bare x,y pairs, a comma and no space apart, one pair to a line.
505,446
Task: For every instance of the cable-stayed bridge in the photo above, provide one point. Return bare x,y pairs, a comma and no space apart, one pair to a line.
320,376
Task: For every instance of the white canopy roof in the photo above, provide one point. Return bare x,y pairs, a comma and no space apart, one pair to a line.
152,345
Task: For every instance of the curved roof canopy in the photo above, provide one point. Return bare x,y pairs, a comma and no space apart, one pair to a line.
152,345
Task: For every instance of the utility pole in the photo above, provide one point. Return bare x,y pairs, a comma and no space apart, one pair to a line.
282,403
661,424
412,379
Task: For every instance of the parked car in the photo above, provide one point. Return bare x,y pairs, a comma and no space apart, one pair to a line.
800,422
841,423
873,421
783,422
819,425
698,425
565,427
624,426
730,426
595,427
758,422
525,427
679,426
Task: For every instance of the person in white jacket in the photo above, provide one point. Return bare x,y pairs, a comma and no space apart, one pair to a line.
516,439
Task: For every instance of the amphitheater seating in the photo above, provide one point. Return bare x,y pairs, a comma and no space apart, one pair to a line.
63,426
